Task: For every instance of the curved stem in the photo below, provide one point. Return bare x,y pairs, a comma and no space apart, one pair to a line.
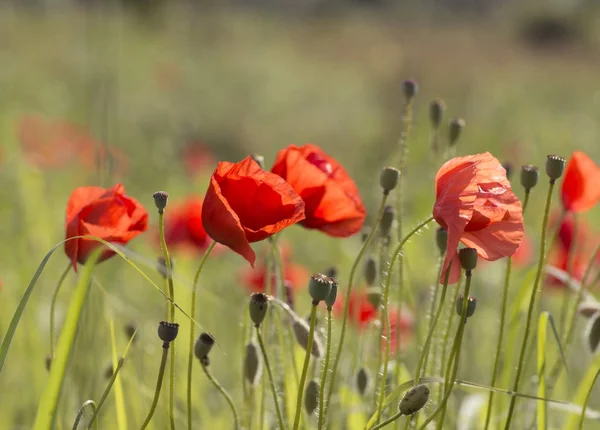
92,405
324,373
104,396
386,292
161,373
271,381
224,393
53,306
311,336
538,277
434,299
192,327
347,303
587,399
388,421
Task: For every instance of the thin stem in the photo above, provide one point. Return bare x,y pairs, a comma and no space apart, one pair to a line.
161,373
192,329
324,372
386,291
538,277
311,336
92,405
587,399
434,297
564,308
225,394
53,306
445,345
347,303
388,421
113,378
273,389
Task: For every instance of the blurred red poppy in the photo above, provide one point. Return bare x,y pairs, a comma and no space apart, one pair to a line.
183,225
196,157
246,204
333,204
475,203
295,275
105,213
580,188
524,253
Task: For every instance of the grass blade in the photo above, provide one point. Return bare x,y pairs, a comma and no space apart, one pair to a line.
584,387
542,411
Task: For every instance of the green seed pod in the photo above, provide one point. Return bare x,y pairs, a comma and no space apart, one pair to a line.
203,345
301,332
167,332
468,258
529,176
592,332
311,396
252,364
389,179
387,220
471,305
436,113
555,165
259,304
441,239
319,287
414,400
370,271
455,130
363,380
330,300
160,200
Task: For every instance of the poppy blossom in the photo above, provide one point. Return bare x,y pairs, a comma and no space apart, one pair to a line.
476,205
333,204
246,204
183,225
105,213
196,157
295,275
580,191
524,253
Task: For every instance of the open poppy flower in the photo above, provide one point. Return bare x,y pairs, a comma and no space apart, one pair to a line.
246,204
333,204
183,225
476,205
105,213
580,191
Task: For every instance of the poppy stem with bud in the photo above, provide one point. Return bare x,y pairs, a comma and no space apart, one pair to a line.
192,327
61,281
554,171
311,335
271,381
329,302
222,390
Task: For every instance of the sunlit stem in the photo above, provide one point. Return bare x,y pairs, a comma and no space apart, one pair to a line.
271,381
388,421
322,416
225,394
53,306
161,373
92,405
311,336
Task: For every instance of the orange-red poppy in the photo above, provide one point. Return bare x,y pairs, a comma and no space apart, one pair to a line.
580,190
246,204
105,213
524,253
295,275
183,225
475,203
333,204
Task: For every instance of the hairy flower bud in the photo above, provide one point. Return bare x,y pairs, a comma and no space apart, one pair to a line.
301,332
203,345
252,364
414,400
363,380
370,271
389,179
436,112
455,130
311,396
259,304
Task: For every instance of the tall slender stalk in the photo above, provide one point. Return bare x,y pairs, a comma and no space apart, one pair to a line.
161,373
322,416
225,394
61,280
538,277
192,329
311,336
269,372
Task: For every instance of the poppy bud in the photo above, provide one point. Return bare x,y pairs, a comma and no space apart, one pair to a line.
508,167
160,200
555,165
414,400
311,397
592,332
436,113
259,303
130,330
252,364
588,308
370,271
362,381
330,300
410,88
387,220
388,179
471,305
529,176
167,332
319,287
161,267
259,159
455,130
468,258
374,296
301,332
203,345
441,239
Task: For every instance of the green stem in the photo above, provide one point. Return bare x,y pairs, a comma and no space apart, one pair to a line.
225,394
587,399
53,306
388,421
161,373
347,302
104,396
324,373
386,291
444,351
273,389
564,308
434,299
92,405
311,336
192,329
538,277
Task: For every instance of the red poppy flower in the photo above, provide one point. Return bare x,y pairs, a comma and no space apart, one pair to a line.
196,157
399,320
105,213
580,191
333,204
524,253
246,204
183,225
296,276
475,203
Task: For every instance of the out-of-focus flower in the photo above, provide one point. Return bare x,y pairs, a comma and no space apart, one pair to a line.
196,157
183,226
295,275
580,189
524,253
